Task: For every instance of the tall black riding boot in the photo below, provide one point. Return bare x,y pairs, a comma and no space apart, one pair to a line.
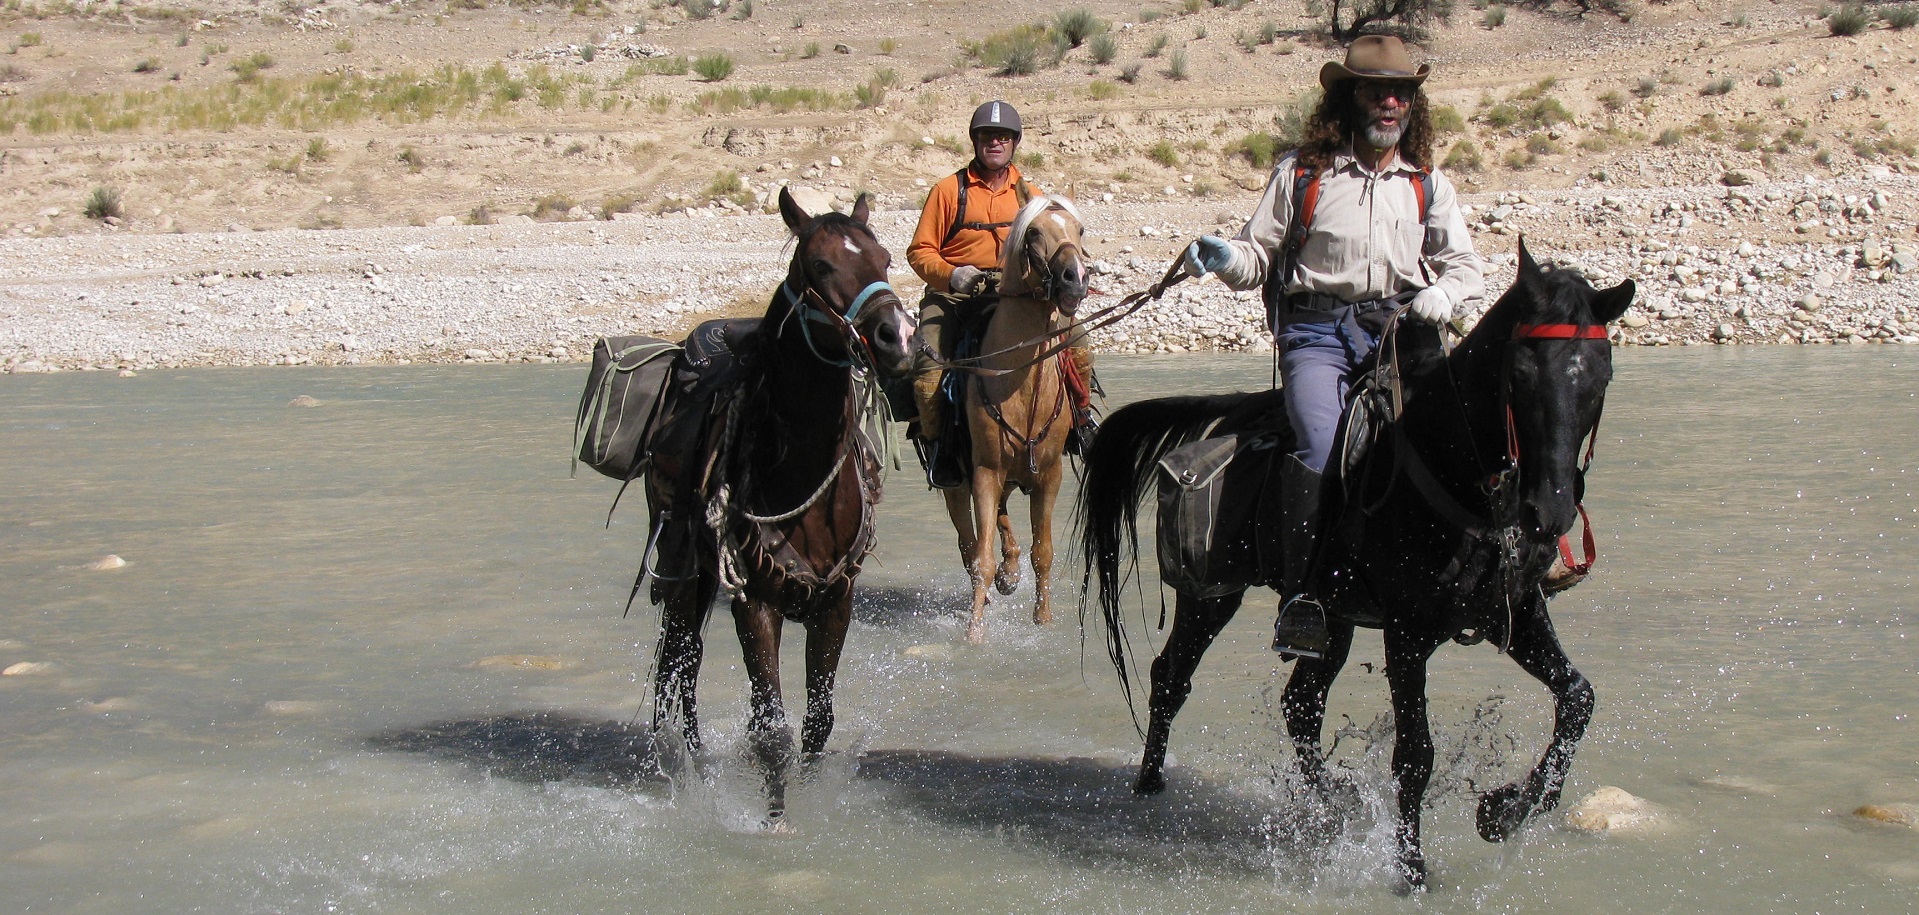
1300,629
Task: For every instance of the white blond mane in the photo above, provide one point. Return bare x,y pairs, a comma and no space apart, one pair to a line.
1013,259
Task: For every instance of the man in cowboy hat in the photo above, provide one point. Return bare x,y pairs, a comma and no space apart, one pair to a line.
956,249
1384,229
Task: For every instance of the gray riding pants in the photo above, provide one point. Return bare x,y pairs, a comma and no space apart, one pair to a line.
1318,361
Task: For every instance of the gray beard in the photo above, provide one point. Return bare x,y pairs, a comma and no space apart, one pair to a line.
1379,138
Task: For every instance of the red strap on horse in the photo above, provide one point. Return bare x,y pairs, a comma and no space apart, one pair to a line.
1559,332
1566,547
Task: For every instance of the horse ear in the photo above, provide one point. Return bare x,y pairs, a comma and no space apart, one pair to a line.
1528,268
1609,304
860,210
791,212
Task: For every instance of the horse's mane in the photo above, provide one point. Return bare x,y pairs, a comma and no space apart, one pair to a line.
1015,253
1553,295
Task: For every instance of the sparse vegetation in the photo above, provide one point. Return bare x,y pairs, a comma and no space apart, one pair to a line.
103,203
411,157
811,50
1018,51
1720,86
1100,90
887,46
1259,148
1157,46
1176,65
1130,73
552,205
1164,153
248,68
317,150
1849,20
1900,18
1030,161
1671,136
1463,157
1494,17
1076,25
1102,48
146,65
715,66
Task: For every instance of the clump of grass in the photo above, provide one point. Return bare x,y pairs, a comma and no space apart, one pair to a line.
1076,25
745,10
1900,18
30,40
1647,87
588,52
1100,90
146,65
887,46
713,67
1463,157
1720,86
1520,158
103,202
1260,148
1849,20
1018,51
1540,144
1671,136
1148,15
1130,73
725,183
248,68
1102,48
317,150
552,205
412,158
619,203
1176,65
1494,17
1595,142
1611,100
343,46
1033,160
1164,153
870,94
1157,46
481,215
1447,119
811,50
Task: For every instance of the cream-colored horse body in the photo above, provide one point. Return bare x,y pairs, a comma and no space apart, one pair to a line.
1020,419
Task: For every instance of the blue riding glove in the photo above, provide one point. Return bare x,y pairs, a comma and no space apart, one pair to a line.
1208,254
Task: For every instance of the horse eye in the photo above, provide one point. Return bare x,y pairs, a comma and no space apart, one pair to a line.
821,268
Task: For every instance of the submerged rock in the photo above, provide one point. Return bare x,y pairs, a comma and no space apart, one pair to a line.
1611,811
1906,815
28,669
303,401
524,662
932,652
106,563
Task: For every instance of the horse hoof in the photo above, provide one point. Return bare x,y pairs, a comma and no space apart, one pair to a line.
1501,812
976,634
1043,617
1007,580
1412,875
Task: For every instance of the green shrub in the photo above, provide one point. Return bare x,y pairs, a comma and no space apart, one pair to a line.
745,10
811,50
1018,51
1519,158
102,203
1148,15
1102,48
1176,65
412,158
1447,119
147,65
1164,153
1540,144
1100,90
1463,157
1648,87
317,150
725,184
1031,161
1130,72
1260,148
1611,100
1720,86
1076,25
888,46
1671,136
1772,79
552,205
1900,18
713,67
1494,18
1849,20
30,39
870,94
1158,45
248,68
588,52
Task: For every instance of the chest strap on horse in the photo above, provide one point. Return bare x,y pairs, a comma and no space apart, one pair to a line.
1020,189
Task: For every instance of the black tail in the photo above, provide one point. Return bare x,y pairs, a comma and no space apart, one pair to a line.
1119,473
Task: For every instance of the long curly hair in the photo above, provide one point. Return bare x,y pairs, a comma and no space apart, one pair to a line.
1339,118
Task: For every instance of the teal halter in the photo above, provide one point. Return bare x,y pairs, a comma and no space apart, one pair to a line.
809,314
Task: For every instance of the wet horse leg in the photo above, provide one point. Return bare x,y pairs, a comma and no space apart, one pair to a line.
1040,507
1196,623
677,668
759,624
986,498
959,507
1536,647
1304,703
1407,653
1006,577
825,636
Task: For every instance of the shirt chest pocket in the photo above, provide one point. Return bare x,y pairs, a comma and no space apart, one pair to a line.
1407,240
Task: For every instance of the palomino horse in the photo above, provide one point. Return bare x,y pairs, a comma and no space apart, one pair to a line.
1017,406
771,493
1443,531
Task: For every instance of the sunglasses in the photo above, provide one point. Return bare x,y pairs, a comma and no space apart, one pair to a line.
984,138
1379,92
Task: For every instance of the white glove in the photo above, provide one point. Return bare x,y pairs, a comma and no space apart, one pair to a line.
1432,305
966,279
1208,254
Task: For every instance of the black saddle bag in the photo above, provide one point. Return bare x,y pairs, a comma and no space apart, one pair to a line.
621,402
1209,498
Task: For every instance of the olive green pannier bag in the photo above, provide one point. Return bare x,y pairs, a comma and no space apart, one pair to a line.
1203,543
621,403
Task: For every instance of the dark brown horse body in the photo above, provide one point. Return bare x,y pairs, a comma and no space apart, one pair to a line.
770,495
1017,407
1454,518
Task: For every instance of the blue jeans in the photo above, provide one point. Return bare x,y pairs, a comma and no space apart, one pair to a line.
1317,364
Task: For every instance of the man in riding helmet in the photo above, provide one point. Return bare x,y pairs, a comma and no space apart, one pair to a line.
1384,229
958,253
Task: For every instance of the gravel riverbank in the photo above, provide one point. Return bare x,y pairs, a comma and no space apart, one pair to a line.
1804,262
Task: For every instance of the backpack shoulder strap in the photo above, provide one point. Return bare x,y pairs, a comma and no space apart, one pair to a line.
1305,202
1423,190
959,209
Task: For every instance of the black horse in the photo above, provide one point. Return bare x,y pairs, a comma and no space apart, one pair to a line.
1442,531
761,480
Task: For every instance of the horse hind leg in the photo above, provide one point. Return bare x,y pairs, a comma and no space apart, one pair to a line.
768,736
1006,577
677,665
1196,623
1535,646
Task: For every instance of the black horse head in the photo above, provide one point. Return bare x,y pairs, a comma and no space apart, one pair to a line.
838,289
1541,361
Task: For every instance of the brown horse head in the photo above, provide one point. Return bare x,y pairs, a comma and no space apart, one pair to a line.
838,285
1044,258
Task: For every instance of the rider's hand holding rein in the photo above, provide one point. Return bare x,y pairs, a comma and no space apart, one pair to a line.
966,279
1432,305
1208,254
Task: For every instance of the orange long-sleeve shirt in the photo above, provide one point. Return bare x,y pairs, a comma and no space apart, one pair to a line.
933,257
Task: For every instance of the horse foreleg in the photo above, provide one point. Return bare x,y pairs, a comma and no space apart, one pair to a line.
1304,703
1006,577
1196,623
986,496
759,625
1406,656
1536,647
1040,508
959,507
677,668
825,636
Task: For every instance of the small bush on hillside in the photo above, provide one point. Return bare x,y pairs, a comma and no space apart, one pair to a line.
811,50
1671,136
1176,65
552,205
1611,100
1018,51
1900,18
248,68
1100,90
888,46
714,67
317,150
1164,153
1447,119
1260,148
745,10
147,65
1494,18
1148,15
1772,79
1032,161
102,203
870,94
412,159
1463,157
1075,26
1849,20
1720,86
1648,87
1102,48
1540,144
1130,72
1158,45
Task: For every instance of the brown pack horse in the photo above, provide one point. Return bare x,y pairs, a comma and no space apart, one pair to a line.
1017,406
773,498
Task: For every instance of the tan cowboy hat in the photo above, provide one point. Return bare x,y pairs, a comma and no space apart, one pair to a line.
1374,57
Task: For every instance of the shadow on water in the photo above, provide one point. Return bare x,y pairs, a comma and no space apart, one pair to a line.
1084,811
537,747
896,607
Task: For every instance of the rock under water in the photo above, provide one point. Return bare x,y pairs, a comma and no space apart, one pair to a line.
1612,811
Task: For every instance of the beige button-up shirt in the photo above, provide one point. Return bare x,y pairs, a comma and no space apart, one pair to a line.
1366,241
